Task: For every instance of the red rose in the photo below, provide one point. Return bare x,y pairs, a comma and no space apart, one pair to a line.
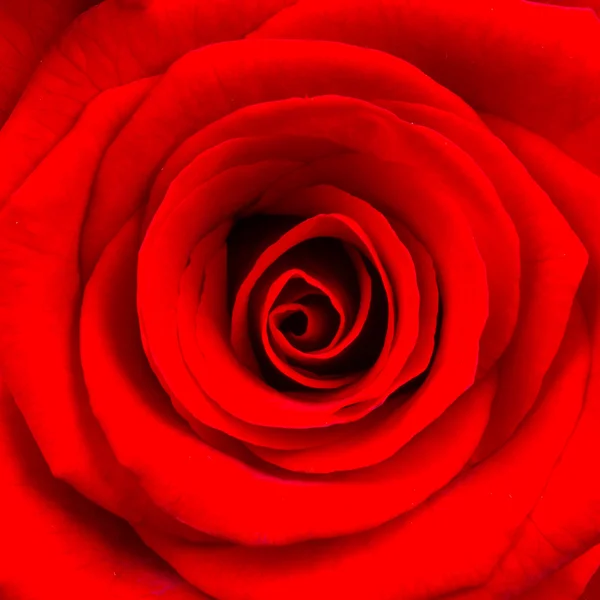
299,299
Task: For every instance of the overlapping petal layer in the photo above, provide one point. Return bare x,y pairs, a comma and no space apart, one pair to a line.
306,310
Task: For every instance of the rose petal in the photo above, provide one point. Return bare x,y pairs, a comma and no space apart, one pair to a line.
452,371
190,289
74,548
26,31
482,51
565,521
593,4
592,588
89,60
474,519
350,136
248,73
41,295
322,330
245,504
567,583
552,262
351,321
347,229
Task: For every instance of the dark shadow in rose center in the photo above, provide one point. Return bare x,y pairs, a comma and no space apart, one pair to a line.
248,239
296,324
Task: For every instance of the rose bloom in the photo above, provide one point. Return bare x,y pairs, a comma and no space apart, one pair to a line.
299,300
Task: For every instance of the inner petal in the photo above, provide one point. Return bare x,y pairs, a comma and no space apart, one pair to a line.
298,312
337,341
309,324
319,266
349,328
316,264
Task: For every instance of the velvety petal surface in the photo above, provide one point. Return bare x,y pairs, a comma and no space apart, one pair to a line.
57,544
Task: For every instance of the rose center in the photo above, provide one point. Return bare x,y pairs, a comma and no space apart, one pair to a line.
309,324
294,325
314,313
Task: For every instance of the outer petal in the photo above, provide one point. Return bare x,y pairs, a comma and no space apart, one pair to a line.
552,261
112,45
207,85
56,544
534,64
566,521
463,531
40,303
27,28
